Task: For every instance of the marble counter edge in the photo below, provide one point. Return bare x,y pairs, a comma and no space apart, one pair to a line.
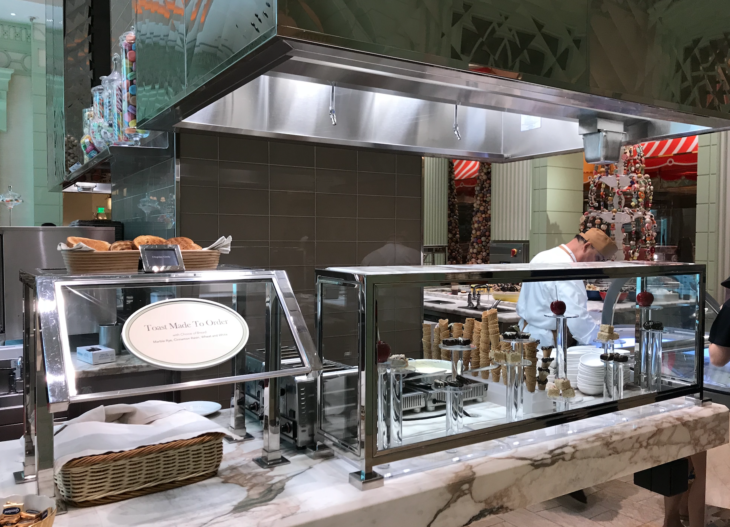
465,492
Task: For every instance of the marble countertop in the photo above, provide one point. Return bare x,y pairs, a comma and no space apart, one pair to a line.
519,471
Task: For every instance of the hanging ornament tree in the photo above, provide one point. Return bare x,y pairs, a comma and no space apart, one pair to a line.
481,223
11,199
455,256
621,195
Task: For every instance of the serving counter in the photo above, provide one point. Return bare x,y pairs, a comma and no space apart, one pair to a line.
476,482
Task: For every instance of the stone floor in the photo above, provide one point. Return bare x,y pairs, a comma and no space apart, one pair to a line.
717,517
617,503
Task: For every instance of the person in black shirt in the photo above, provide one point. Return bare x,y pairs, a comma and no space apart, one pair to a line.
720,334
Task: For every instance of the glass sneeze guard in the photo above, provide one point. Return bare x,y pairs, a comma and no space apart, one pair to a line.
72,309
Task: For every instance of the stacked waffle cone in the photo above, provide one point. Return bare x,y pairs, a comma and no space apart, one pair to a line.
476,361
505,348
530,353
484,341
489,335
427,340
443,331
468,334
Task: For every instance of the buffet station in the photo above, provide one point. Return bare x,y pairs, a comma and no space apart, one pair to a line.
387,405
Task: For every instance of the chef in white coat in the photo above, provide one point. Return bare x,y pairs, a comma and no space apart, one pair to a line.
536,297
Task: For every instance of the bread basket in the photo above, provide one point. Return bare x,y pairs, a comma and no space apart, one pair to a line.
117,476
201,260
101,262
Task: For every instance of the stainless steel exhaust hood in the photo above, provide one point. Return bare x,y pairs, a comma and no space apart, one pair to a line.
512,86
391,104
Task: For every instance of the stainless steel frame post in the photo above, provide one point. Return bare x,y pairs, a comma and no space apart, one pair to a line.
29,361
271,452
44,436
366,478
561,348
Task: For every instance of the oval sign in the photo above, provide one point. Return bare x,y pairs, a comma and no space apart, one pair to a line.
185,333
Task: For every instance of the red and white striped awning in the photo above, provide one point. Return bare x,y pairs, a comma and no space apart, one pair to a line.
671,147
465,169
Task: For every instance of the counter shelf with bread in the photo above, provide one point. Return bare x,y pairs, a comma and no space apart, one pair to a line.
119,338
91,256
401,391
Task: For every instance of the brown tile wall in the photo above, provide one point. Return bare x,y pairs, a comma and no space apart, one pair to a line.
299,206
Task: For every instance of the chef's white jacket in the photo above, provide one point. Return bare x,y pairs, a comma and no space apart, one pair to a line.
535,299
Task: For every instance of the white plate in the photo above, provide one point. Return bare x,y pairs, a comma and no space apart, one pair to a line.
590,390
429,366
201,407
592,360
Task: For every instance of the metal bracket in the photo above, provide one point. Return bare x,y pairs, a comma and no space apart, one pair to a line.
245,436
366,481
21,478
695,399
265,462
457,132
319,451
333,114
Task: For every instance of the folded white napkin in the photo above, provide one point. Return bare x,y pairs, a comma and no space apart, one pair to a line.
222,244
79,247
123,427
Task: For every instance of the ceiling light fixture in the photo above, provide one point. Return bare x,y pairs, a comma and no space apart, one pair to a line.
12,14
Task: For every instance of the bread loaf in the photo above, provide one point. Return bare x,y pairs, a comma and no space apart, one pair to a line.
186,244
149,240
123,245
97,245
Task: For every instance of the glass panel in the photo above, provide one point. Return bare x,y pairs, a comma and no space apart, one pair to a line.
160,28
94,315
715,377
339,351
183,45
55,109
561,44
505,374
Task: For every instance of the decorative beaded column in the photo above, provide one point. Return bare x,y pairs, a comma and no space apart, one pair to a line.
481,223
455,255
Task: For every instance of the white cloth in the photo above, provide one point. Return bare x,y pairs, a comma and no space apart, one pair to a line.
222,244
123,427
79,247
535,299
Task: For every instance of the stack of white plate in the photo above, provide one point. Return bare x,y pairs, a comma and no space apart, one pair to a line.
591,372
574,354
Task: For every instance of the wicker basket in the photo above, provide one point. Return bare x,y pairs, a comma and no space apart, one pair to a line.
101,262
200,260
107,478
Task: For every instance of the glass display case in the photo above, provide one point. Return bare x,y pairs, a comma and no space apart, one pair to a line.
396,388
124,338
